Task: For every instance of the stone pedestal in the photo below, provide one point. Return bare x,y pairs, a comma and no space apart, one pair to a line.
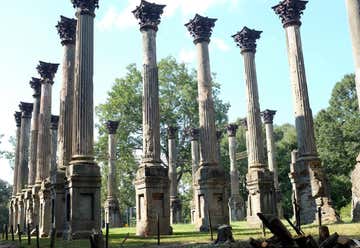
290,12
195,157
260,181
112,209
45,208
236,203
152,182
83,183
355,175
210,187
21,220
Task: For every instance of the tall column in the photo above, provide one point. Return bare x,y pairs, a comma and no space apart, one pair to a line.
175,203
290,12
210,183
195,158
268,116
41,189
83,206
236,203
260,182
296,190
23,170
353,7
244,124
14,200
112,209
152,198
35,84
66,28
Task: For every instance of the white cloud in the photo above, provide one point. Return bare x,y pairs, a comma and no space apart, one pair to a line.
125,19
220,44
187,56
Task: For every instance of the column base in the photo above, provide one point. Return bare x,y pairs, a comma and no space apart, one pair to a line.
237,208
328,214
21,213
45,209
29,206
211,198
152,200
58,201
260,184
112,212
36,206
175,210
82,199
355,175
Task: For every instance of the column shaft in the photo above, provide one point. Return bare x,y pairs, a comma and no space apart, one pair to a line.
34,140
111,179
234,174
17,151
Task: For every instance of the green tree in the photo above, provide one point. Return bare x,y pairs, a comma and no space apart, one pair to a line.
5,193
337,131
178,107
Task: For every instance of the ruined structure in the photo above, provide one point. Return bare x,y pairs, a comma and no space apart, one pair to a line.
195,158
290,12
175,203
152,182
268,116
353,7
83,179
236,202
210,180
260,182
112,209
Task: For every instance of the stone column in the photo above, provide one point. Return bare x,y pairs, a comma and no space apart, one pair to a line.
195,158
296,190
219,135
83,206
35,84
236,203
175,203
244,124
14,199
290,12
268,116
210,180
66,28
23,170
353,7
260,181
152,182
41,190
112,209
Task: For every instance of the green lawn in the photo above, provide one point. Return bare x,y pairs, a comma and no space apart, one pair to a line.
184,234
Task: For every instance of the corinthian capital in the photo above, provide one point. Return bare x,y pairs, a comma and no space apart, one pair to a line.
17,116
268,116
35,84
290,11
200,28
171,130
231,130
67,30
47,71
26,109
112,126
246,39
86,7
148,15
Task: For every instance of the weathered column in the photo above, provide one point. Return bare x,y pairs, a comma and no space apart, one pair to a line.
14,200
236,203
36,86
219,135
112,209
41,190
210,182
244,124
152,182
295,186
268,116
23,170
353,7
175,203
83,206
290,12
260,182
195,158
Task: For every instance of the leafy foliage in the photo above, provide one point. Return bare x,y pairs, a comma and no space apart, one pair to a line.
5,193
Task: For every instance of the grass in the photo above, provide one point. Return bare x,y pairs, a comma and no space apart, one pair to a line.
185,234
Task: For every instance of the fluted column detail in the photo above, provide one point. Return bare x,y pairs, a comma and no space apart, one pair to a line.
172,161
234,174
54,137
353,9
195,156
17,116
111,187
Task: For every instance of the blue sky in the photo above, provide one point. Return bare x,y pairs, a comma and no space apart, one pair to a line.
29,35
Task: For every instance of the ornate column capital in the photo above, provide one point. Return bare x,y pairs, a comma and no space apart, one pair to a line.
26,109
246,39
35,84
66,28
219,134
231,130
54,122
86,7
171,131
148,15
194,133
200,28
112,126
244,123
290,11
47,71
268,116
17,116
